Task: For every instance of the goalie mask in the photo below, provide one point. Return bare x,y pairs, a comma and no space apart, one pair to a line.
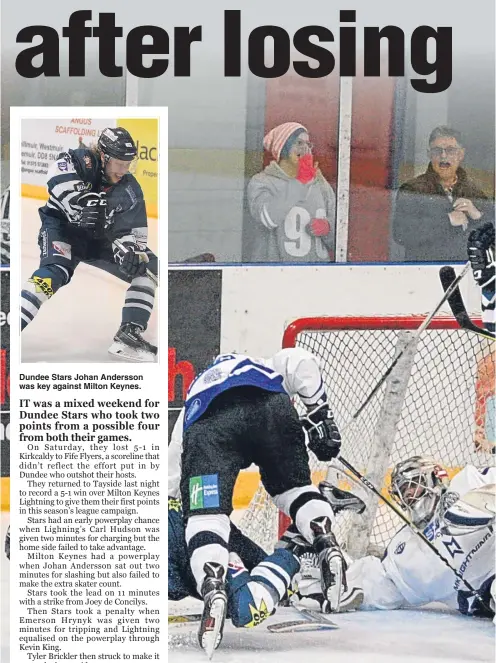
417,485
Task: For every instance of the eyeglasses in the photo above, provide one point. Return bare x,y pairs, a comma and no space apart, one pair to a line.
438,151
304,143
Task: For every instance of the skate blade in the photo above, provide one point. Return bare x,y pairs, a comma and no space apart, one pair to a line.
333,593
130,354
211,631
352,600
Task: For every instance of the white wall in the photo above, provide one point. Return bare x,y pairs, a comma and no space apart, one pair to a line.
259,302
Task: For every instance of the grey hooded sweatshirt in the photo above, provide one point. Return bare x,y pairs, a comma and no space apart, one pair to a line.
283,207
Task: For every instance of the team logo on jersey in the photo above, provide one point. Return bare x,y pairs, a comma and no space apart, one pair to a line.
453,547
62,165
204,492
87,161
193,409
62,249
42,285
400,548
212,375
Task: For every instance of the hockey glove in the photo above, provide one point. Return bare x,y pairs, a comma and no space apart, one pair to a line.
130,258
481,254
323,433
318,227
94,212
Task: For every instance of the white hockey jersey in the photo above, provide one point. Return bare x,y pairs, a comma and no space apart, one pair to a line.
293,371
410,574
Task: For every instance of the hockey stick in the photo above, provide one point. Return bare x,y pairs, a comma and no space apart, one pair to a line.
416,531
310,620
457,305
124,249
414,338
184,619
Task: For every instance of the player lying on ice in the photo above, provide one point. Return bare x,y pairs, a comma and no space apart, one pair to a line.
256,582
238,412
457,517
94,202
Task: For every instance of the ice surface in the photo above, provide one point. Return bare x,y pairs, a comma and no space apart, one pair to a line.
408,636
79,322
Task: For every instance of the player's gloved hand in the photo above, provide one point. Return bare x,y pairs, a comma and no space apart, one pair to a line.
323,433
480,249
318,227
130,257
94,212
306,169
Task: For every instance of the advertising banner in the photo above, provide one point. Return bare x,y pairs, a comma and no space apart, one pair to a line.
194,330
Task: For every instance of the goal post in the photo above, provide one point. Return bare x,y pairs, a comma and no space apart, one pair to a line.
438,401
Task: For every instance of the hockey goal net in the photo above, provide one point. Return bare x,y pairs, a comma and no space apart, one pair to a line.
438,401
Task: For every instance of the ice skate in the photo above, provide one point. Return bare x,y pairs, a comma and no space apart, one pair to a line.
213,618
341,500
129,345
331,561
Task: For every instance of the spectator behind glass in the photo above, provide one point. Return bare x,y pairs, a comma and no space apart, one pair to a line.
436,210
291,202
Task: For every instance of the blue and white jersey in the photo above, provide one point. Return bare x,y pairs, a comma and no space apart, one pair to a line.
410,574
293,371
228,372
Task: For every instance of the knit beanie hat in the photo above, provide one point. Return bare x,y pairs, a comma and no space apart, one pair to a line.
277,137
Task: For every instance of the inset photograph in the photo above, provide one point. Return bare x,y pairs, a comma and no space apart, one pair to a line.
89,238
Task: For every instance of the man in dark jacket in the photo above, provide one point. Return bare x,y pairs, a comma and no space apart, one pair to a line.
436,210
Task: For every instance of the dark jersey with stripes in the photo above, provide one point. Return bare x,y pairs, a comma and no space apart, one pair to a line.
77,172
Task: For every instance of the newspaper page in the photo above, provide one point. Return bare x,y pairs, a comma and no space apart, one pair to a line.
87,535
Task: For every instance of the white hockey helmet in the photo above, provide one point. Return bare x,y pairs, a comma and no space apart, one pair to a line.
417,485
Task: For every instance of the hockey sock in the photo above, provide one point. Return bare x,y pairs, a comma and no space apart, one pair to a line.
207,539
139,301
39,288
277,571
253,596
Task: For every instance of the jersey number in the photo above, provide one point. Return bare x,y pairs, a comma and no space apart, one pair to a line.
300,243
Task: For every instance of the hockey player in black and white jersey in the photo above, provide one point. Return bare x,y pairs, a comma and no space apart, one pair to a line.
481,255
239,412
94,201
457,516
